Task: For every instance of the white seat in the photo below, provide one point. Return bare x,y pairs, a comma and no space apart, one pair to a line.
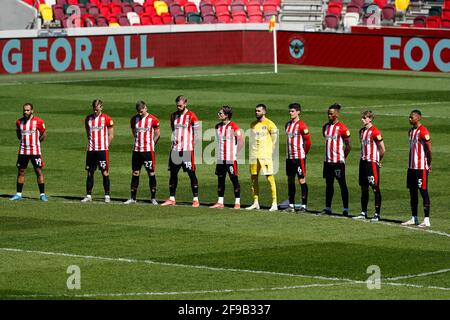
50,2
350,19
141,2
133,18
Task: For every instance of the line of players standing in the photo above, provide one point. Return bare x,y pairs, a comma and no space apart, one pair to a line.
229,140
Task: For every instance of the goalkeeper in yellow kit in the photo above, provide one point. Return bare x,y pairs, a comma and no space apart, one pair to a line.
263,140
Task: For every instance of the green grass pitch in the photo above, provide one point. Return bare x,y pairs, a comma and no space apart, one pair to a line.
147,252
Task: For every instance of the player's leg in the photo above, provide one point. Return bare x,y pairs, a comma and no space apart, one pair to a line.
104,167
412,184
150,166
175,161
22,163
376,190
91,166
290,173
221,175
328,175
254,171
189,167
340,176
38,165
301,174
267,170
236,186
423,189
136,165
364,184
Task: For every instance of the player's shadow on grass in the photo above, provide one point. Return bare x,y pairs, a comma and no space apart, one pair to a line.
340,215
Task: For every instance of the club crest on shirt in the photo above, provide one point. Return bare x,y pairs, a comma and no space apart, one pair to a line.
427,137
379,137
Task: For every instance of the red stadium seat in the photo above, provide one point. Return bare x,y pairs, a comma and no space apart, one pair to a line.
167,18
105,10
253,7
445,23
101,21
352,7
420,22
92,9
237,6
331,21
270,6
221,7
175,8
445,14
255,18
209,18
239,17
359,3
58,12
137,7
335,8
179,18
433,22
223,17
126,7
88,20
115,8
206,8
388,14
149,8
190,7
146,19
157,20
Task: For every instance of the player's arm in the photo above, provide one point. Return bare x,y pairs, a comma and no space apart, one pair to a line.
110,134
381,148
274,136
43,136
86,127
307,142
347,147
18,132
427,149
239,140
42,132
156,134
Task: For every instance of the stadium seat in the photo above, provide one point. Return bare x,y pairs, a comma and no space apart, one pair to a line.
371,19
137,7
88,20
433,22
350,19
61,2
85,2
179,18
175,8
268,15
381,3
133,19
352,7
270,6
237,6
160,7
149,8
223,17
58,12
420,22
190,7
146,19
255,18
116,1
446,4
445,14
105,2
239,17
50,2
206,8
445,23
126,7
388,15
359,3
209,18
435,11
115,8
105,10
114,24
335,7
221,7
401,5
180,2
193,17
167,18
253,7
46,13
331,22
92,9
101,21
157,20
141,2
72,2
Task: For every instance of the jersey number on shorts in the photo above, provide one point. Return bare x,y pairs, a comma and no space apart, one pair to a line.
102,164
148,164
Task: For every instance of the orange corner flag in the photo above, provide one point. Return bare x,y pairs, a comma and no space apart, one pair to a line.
272,23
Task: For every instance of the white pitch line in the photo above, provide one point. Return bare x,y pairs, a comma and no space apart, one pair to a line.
146,77
132,294
425,274
400,105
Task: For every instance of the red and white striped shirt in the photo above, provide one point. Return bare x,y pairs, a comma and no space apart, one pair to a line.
369,147
183,126
334,141
295,133
144,129
30,130
97,129
227,136
417,139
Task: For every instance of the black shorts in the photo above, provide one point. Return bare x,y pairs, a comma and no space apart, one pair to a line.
146,159
224,167
369,173
296,167
36,161
96,159
182,159
333,170
417,179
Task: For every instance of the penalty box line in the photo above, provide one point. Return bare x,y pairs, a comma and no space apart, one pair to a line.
127,260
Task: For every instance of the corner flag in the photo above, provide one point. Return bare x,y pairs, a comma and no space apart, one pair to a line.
272,23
